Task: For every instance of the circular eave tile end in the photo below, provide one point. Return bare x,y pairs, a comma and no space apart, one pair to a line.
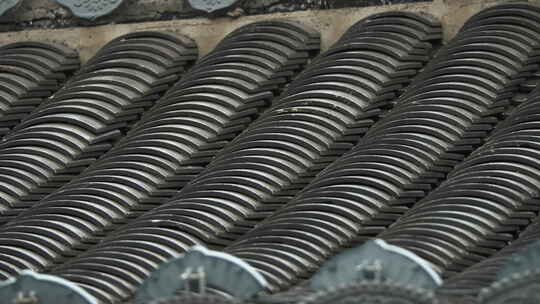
210,6
90,9
6,5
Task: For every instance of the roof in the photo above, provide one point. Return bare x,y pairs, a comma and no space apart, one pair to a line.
269,151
